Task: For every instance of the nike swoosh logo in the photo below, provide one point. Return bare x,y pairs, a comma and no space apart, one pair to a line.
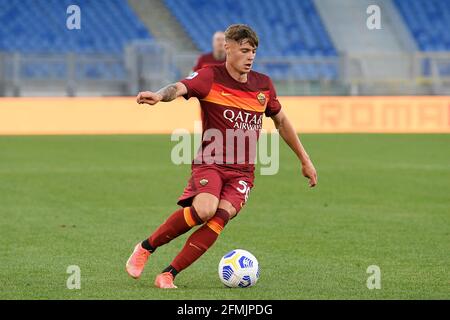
226,94
193,245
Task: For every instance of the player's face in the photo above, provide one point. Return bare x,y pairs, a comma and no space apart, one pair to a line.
240,55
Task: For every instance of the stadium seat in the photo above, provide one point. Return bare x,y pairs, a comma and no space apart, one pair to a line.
39,26
429,24
428,21
287,28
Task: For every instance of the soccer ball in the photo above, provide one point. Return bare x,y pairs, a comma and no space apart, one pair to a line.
238,268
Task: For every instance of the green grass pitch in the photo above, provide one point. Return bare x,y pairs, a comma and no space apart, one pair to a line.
86,200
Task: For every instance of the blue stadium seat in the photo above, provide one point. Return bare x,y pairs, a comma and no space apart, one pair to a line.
429,24
289,28
428,21
39,26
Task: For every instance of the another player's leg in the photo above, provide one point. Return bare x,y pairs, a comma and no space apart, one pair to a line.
177,224
198,243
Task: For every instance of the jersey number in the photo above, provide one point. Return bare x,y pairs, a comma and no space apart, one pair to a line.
244,190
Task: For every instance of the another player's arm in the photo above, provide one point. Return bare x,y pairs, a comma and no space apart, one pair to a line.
288,133
166,94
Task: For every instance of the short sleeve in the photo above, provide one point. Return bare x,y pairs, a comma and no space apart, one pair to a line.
273,106
198,83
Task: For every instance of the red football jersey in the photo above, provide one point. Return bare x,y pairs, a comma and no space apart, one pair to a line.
233,110
207,59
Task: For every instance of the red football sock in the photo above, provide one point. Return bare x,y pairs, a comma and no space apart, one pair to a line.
178,223
201,240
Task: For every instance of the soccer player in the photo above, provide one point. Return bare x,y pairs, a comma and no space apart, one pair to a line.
234,99
217,56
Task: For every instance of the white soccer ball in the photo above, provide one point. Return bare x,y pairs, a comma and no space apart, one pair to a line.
238,268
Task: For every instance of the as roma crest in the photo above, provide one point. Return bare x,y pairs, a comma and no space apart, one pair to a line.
261,98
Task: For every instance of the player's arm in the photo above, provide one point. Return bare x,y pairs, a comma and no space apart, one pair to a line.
288,133
166,94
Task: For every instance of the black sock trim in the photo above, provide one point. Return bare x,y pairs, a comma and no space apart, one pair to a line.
146,245
172,270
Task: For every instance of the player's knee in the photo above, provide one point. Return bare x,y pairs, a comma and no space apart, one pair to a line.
206,205
206,211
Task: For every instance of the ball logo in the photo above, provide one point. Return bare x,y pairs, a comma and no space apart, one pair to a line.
204,182
245,262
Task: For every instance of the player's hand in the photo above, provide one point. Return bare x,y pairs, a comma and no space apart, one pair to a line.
148,97
309,172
